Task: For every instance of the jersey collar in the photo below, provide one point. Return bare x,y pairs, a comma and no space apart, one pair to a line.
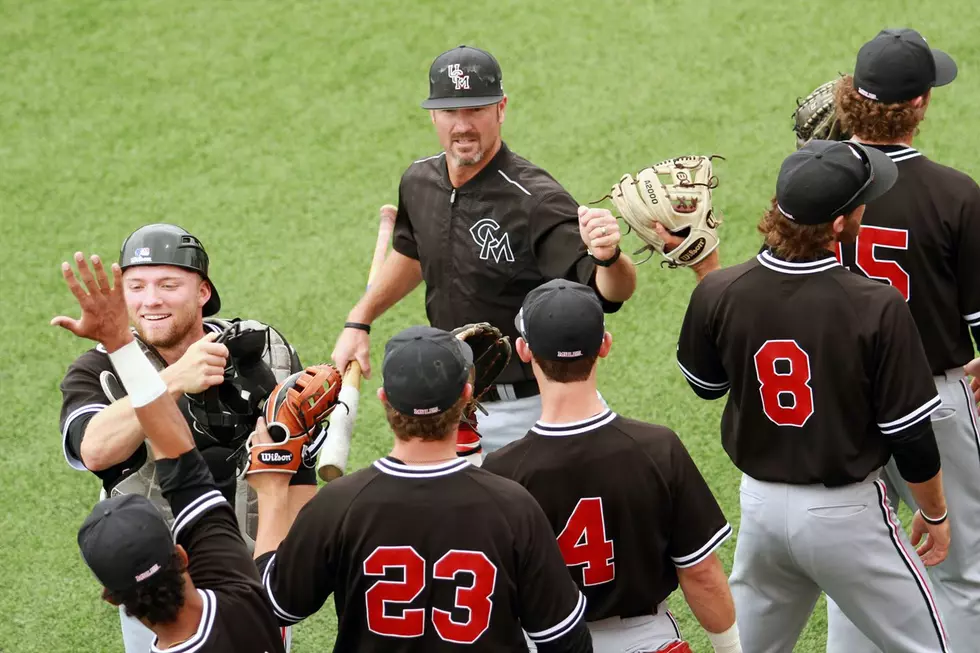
393,467
897,153
199,638
773,262
488,172
574,428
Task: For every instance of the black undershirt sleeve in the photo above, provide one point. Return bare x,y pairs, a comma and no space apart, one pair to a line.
916,453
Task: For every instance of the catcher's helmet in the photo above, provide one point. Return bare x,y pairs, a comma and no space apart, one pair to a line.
168,244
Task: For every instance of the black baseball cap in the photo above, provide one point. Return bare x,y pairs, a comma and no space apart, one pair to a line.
125,541
898,65
424,370
464,77
561,321
825,179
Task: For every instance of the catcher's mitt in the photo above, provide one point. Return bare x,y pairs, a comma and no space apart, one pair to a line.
491,353
677,194
816,117
294,414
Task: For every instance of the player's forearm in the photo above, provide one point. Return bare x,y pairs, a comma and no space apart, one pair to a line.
709,264
706,591
114,433
155,409
398,276
299,496
275,518
617,282
929,496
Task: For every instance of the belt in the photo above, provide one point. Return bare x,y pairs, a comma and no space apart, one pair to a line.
510,391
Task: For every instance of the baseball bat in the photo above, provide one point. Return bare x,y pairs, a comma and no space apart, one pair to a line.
332,460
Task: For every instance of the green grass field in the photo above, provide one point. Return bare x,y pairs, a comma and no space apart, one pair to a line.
274,130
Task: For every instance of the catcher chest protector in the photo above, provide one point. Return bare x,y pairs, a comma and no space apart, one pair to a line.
278,356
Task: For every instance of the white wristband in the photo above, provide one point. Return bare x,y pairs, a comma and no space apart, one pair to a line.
137,374
726,642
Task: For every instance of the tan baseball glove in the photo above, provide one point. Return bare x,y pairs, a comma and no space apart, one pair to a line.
677,194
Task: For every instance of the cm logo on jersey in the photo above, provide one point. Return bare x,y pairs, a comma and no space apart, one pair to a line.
486,234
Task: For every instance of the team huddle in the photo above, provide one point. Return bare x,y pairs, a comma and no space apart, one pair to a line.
516,510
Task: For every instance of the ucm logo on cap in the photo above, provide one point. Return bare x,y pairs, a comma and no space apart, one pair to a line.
460,81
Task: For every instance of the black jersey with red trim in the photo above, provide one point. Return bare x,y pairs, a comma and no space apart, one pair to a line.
825,369
626,502
428,558
237,616
923,238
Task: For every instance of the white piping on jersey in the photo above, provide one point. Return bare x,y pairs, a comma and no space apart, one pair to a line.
707,385
429,158
903,155
796,267
526,191
574,428
713,543
195,508
75,414
563,627
917,415
973,319
200,637
276,608
420,471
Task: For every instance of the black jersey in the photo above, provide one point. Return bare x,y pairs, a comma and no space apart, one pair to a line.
923,238
90,385
823,367
426,558
485,245
237,617
626,502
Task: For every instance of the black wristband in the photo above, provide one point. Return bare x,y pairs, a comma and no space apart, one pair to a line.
366,328
934,522
608,262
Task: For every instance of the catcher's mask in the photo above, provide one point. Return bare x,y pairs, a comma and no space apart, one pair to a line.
168,244
227,413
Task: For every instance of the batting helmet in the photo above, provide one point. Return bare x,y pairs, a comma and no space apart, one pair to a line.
168,244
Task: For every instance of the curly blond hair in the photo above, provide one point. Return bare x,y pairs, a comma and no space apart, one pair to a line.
879,122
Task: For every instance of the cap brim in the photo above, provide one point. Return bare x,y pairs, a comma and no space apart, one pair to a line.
461,102
885,172
945,68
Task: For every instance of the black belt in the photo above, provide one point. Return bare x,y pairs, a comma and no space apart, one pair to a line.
522,389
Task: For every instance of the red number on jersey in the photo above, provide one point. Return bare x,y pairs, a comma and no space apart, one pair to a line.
475,599
583,542
792,385
411,623
890,271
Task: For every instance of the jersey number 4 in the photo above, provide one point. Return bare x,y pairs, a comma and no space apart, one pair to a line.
873,267
381,597
783,369
583,542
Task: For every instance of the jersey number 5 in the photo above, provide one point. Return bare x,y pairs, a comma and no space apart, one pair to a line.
475,599
583,542
875,268
783,369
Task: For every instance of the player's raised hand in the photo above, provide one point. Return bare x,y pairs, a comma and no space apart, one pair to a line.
104,317
269,482
201,366
936,547
600,232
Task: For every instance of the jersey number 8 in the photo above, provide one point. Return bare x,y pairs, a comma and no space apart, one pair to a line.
475,599
783,370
